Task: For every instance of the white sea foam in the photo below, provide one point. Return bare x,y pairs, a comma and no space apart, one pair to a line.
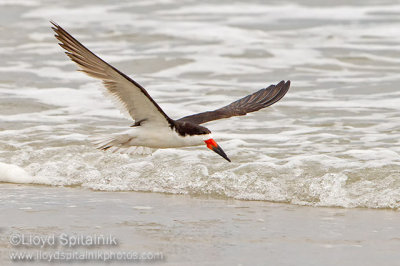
333,140
27,3
14,174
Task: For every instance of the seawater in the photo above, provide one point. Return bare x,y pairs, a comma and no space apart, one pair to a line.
334,140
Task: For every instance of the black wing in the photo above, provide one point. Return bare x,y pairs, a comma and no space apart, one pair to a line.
131,98
251,103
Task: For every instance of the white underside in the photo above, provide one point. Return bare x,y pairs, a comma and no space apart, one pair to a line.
144,139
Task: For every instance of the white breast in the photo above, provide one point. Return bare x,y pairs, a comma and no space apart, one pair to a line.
148,136
165,138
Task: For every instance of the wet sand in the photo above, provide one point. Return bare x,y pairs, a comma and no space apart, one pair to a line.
191,230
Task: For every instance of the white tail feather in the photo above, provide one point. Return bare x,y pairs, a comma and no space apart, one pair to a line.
121,144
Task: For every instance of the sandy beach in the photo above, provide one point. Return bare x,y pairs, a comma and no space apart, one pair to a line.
189,230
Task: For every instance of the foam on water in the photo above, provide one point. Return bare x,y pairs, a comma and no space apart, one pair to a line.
14,174
19,3
334,140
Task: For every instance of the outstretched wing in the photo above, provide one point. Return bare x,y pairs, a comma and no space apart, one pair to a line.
131,98
251,103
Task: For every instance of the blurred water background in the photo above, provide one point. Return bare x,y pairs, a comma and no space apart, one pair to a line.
334,140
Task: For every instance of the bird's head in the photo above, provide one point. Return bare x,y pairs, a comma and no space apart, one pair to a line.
212,145
198,134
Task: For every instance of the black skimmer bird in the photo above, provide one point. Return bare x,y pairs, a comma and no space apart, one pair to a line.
153,128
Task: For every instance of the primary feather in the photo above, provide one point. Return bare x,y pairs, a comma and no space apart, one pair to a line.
251,103
131,98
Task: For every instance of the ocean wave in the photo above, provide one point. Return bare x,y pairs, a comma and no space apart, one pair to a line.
334,139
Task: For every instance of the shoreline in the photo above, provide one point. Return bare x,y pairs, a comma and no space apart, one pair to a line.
196,196
188,229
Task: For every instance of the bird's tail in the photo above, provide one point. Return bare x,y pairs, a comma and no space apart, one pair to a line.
120,143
